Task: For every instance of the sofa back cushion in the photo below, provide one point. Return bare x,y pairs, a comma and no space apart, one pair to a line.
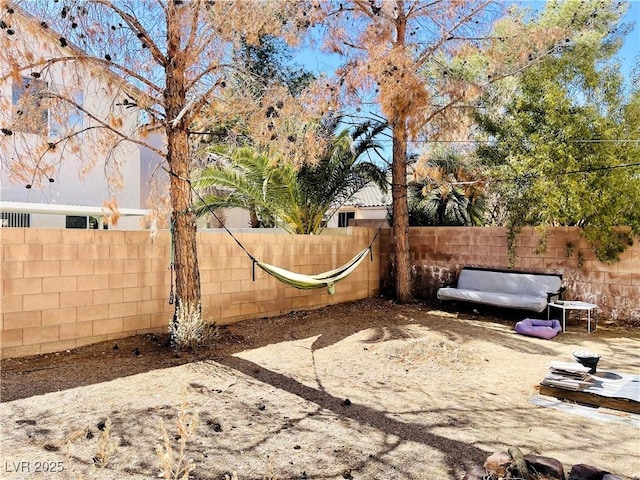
534,284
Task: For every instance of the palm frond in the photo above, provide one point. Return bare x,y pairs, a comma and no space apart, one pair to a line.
298,200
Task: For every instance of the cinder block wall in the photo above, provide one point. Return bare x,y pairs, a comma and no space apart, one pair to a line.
66,288
438,254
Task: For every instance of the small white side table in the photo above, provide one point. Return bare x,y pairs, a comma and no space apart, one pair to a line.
565,305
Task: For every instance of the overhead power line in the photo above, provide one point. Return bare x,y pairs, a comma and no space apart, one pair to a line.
626,140
537,175
630,140
568,172
599,169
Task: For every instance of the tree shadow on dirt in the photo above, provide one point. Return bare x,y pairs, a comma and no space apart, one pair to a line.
395,320
453,453
383,320
212,395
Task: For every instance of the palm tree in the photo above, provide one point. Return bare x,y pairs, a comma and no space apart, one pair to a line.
296,199
245,178
450,194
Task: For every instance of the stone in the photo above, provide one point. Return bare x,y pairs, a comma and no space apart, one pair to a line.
610,476
586,472
476,473
547,466
497,463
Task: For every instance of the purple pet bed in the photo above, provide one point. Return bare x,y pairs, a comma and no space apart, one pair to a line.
533,327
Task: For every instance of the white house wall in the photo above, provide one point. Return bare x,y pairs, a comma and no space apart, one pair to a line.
74,183
361,213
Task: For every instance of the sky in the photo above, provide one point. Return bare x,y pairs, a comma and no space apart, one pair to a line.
631,48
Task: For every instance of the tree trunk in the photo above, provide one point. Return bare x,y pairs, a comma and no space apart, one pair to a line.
519,464
253,218
183,220
400,229
179,160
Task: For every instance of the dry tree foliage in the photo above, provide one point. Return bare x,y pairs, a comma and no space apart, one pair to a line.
56,112
257,18
158,203
106,67
141,74
424,63
288,127
401,89
285,126
112,206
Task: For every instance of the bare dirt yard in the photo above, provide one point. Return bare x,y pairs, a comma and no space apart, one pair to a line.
365,390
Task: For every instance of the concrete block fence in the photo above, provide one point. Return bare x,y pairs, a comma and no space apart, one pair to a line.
438,254
66,288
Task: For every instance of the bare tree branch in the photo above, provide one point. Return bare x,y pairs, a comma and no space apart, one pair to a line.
136,26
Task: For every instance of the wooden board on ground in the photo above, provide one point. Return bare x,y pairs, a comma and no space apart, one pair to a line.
619,391
592,399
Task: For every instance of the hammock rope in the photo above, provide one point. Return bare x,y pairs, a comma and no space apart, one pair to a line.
298,280
172,262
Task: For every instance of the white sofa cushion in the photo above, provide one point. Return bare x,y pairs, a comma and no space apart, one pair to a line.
520,290
507,300
509,282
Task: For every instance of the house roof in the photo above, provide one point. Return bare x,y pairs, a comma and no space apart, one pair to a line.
56,209
369,196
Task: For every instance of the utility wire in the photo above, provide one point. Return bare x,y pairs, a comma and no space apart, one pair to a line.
574,172
538,175
599,169
629,140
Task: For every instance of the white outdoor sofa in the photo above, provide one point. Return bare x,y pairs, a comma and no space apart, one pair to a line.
505,288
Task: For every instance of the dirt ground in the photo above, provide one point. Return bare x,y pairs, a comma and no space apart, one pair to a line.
365,390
